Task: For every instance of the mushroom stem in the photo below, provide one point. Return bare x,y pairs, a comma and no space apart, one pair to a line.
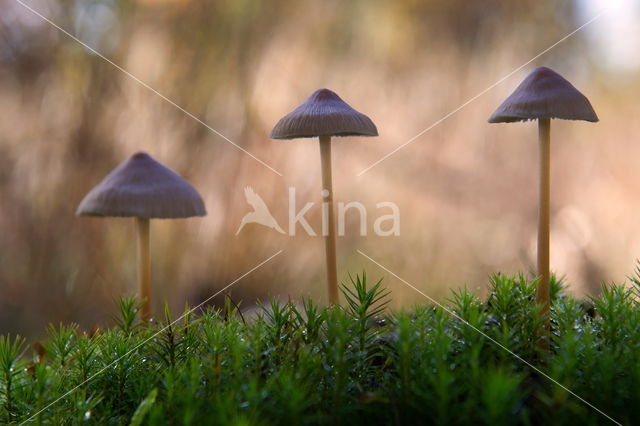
330,237
144,266
544,136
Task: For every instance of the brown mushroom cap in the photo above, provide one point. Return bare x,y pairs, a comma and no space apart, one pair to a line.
544,94
323,114
142,187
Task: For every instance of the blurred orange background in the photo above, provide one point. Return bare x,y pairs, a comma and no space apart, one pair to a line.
467,190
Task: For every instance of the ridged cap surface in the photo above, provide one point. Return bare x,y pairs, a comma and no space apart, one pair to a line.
323,114
143,187
544,94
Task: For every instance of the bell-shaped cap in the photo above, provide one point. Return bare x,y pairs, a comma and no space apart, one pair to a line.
323,114
142,187
544,94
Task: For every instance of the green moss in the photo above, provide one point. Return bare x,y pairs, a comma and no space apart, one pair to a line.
352,365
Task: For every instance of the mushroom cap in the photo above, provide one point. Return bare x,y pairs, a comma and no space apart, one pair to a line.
142,187
544,94
323,114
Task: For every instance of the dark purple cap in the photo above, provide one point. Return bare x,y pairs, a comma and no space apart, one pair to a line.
323,114
544,94
142,187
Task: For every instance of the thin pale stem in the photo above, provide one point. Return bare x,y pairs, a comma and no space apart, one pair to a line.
543,291
144,266
330,236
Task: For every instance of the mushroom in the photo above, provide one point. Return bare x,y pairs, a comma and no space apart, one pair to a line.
544,95
142,188
324,115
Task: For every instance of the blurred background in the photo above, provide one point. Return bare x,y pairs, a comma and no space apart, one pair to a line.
467,190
